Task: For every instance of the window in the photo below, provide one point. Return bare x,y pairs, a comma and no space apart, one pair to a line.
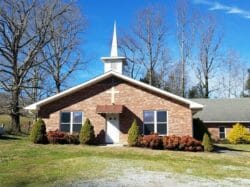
222,132
71,121
154,122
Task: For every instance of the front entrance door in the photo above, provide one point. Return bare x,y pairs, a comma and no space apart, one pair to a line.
112,128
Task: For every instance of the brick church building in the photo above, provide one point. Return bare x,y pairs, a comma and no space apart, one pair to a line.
112,101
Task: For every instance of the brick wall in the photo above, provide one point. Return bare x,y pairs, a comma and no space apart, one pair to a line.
214,128
135,100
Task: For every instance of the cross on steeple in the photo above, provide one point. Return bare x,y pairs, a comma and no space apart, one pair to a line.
112,91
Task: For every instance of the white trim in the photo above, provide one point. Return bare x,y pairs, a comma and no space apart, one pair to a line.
36,106
226,121
167,124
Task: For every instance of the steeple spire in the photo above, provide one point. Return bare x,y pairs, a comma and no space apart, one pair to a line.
114,62
114,51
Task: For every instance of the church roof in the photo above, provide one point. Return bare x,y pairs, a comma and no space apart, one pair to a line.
192,105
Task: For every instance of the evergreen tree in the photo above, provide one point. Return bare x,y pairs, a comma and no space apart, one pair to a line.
156,80
133,134
38,133
87,134
207,143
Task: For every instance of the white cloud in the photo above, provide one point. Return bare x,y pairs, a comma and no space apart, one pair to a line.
214,5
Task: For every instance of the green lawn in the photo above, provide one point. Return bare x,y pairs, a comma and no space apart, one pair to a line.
24,163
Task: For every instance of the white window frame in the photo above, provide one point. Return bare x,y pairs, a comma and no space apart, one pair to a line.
224,132
71,119
155,120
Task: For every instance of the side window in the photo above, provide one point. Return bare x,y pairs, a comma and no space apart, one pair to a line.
222,132
77,121
154,122
65,122
71,121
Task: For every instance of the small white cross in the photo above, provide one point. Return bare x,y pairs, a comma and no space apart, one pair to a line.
113,92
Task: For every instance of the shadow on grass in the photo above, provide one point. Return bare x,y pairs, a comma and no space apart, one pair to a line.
224,149
9,137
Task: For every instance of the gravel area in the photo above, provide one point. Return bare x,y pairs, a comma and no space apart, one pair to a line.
140,178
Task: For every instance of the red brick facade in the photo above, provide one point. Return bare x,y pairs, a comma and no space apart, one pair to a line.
135,100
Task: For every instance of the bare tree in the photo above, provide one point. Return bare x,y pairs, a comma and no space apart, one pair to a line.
231,75
147,42
24,31
209,43
131,50
62,53
186,25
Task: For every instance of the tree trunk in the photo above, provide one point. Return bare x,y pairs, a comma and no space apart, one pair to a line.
58,87
206,88
15,112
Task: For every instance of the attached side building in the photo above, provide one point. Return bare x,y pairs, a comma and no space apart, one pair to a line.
219,115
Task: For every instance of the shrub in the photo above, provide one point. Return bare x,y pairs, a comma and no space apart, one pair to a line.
100,138
144,141
199,129
184,143
133,134
87,134
38,133
58,137
207,143
239,134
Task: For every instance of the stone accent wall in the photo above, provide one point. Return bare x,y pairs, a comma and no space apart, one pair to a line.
134,98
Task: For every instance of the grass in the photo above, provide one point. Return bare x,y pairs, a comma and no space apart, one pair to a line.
25,163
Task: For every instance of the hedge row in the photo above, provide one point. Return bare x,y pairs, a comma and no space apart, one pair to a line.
57,137
182,143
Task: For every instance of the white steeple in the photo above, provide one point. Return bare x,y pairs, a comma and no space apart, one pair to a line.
114,52
114,62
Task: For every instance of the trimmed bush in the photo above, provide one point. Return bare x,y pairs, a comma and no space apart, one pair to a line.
199,129
100,137
133,134
58,137
239,134
38,133
87,134
183,143
207,143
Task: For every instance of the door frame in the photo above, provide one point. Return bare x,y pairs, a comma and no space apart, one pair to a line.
106,127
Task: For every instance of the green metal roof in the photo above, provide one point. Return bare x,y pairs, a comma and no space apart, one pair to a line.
224,110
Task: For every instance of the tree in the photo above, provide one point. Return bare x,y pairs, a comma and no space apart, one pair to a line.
247,85
133,134
62,54
185,37
195,92
207,143
87,133
239,134
38,133
208,53
146,44
24,32
156,80
231,75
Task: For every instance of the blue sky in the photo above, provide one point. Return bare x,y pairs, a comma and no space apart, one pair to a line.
233,16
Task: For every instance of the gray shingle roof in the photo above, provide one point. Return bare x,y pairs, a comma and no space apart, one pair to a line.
224,110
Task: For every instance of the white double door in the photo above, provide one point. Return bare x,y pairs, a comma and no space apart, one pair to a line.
112,128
